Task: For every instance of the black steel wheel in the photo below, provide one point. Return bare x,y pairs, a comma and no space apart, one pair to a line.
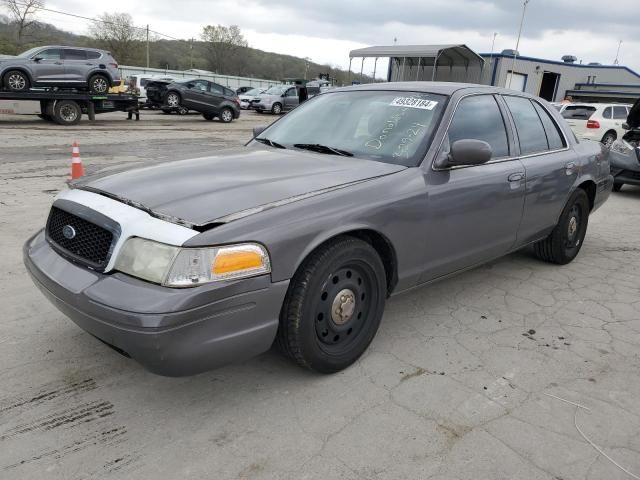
67,112
565,241
16,81
334,305
99,84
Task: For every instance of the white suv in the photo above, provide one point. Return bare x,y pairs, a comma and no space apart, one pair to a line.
601,122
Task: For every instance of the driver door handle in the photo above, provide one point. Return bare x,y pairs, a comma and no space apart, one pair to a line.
516,177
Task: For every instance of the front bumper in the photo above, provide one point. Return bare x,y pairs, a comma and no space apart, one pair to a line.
172,332
625,168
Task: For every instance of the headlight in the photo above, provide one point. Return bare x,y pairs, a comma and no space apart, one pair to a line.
622,147
189,267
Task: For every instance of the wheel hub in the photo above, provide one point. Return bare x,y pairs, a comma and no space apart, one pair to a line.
573,227
344,304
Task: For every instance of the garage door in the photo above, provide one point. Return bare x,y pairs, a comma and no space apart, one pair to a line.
518,81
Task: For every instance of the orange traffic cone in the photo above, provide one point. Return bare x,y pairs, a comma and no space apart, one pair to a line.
77,170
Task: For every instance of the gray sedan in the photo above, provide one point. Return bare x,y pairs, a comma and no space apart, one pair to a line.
299,238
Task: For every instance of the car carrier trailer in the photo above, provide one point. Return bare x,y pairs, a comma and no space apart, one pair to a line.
67,107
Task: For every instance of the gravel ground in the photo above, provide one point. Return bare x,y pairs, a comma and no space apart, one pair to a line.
465,379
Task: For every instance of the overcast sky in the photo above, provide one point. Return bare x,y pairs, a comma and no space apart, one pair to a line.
326,30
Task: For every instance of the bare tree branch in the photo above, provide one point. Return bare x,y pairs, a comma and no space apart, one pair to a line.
223,45
117,33
22,13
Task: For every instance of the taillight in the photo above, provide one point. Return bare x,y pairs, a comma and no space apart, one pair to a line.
236,100
593,124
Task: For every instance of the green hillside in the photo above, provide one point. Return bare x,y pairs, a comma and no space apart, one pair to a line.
178,55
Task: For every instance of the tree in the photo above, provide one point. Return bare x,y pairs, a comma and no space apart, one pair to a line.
224,45
117,33
22,13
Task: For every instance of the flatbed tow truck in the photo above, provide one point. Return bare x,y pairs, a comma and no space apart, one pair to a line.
65,107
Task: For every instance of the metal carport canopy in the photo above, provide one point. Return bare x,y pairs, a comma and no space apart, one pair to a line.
450,55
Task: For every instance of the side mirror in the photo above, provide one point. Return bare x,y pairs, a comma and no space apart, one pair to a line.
625,126
469,152
258,130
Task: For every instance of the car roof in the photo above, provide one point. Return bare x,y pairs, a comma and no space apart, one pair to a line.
75,48
443,88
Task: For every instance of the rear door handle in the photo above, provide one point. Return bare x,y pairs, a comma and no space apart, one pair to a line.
516,177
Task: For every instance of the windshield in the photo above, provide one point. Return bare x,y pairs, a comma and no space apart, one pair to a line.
253,91
277,90
385,126
29,52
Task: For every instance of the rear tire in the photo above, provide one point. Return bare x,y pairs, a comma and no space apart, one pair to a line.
16,81
565,241
617,186
334,306
99,84
226,115
67,112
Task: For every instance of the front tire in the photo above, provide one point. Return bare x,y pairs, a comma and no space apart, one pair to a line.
608,139
276,109
173,100
565,241
334,306
617,186
17,81
207,116
99,84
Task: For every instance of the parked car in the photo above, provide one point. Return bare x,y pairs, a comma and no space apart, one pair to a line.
241,90
300,237
625,152
277,99
248,96
58,66
209,98
601,122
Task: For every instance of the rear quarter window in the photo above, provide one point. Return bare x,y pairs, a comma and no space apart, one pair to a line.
93,55
229,93
552,130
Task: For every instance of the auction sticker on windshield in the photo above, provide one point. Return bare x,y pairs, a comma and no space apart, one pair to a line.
414,102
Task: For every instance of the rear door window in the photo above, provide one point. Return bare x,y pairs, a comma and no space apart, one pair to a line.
578,112
73,54
620,113
531,133
554,137
478,118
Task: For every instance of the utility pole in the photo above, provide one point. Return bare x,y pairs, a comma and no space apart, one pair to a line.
147,45
515,52
191,54
616,61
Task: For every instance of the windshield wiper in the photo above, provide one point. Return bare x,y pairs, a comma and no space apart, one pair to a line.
316,147
271,143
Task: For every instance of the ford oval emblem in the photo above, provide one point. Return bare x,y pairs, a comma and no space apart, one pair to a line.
68,232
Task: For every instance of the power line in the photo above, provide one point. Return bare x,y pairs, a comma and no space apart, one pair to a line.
144,29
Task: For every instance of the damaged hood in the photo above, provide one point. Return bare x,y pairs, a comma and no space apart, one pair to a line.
222,187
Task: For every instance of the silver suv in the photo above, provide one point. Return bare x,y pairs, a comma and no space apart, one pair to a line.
56,66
